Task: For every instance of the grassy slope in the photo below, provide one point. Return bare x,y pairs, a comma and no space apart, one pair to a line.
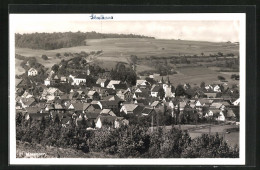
52,152
119,49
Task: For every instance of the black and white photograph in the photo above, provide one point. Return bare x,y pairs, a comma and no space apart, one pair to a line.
131,89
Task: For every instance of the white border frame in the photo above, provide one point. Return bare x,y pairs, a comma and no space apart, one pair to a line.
112,161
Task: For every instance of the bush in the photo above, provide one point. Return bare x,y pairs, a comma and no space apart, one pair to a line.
45,57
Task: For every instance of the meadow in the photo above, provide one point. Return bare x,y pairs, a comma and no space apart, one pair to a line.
120,49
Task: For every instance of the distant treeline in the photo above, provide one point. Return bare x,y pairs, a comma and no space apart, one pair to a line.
51,41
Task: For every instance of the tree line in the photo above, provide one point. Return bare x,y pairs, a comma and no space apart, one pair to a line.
56,40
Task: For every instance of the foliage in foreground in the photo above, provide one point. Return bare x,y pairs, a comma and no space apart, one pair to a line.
126,142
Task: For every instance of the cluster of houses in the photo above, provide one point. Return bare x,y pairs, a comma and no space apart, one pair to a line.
103,103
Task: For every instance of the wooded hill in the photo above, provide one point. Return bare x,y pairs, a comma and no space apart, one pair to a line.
51,41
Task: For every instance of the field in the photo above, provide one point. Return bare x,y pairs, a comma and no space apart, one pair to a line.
195,131
195,75
120,49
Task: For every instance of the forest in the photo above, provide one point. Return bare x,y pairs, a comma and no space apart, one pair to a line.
56,40
133,141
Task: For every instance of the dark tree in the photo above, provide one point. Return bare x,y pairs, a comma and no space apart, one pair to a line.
202,85
221,78
161,93
55,68
58,55
179,90
45,57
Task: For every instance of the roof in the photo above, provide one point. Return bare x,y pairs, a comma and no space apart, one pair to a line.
18,81
130,107
96,106
62,78
32,69
33,109
109,103
140,81
155,103
155,89
147,110
120,86
182,104
27,101
230,113
109,119
107,112
91,93
92,115
86,105
78,106
110,91
214,111
58,106
99,81
114,82
81,76
216,105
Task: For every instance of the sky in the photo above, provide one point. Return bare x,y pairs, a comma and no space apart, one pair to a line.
220,29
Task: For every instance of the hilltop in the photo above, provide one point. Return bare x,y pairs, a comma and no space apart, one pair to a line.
51,41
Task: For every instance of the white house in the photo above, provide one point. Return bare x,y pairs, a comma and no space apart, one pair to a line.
237,102
78,79
217,88
221,116
112,82
32,72
142,82
47,82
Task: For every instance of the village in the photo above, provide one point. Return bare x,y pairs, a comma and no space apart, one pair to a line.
111,103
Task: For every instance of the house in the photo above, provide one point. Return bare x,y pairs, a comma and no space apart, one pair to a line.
106,112
27,102
112,82
142,83
102,82
47,81
124,95
77,80
156,104
236,102
20,83
91,116
148,111
38,116
26,94
93,95
65,122
105,121
119,86
230,114
113,105
32,72
216,88
112,97
119,121
153,76
217,105
211,94
215,113
154,91
109,92
63,79
199,94
131,109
